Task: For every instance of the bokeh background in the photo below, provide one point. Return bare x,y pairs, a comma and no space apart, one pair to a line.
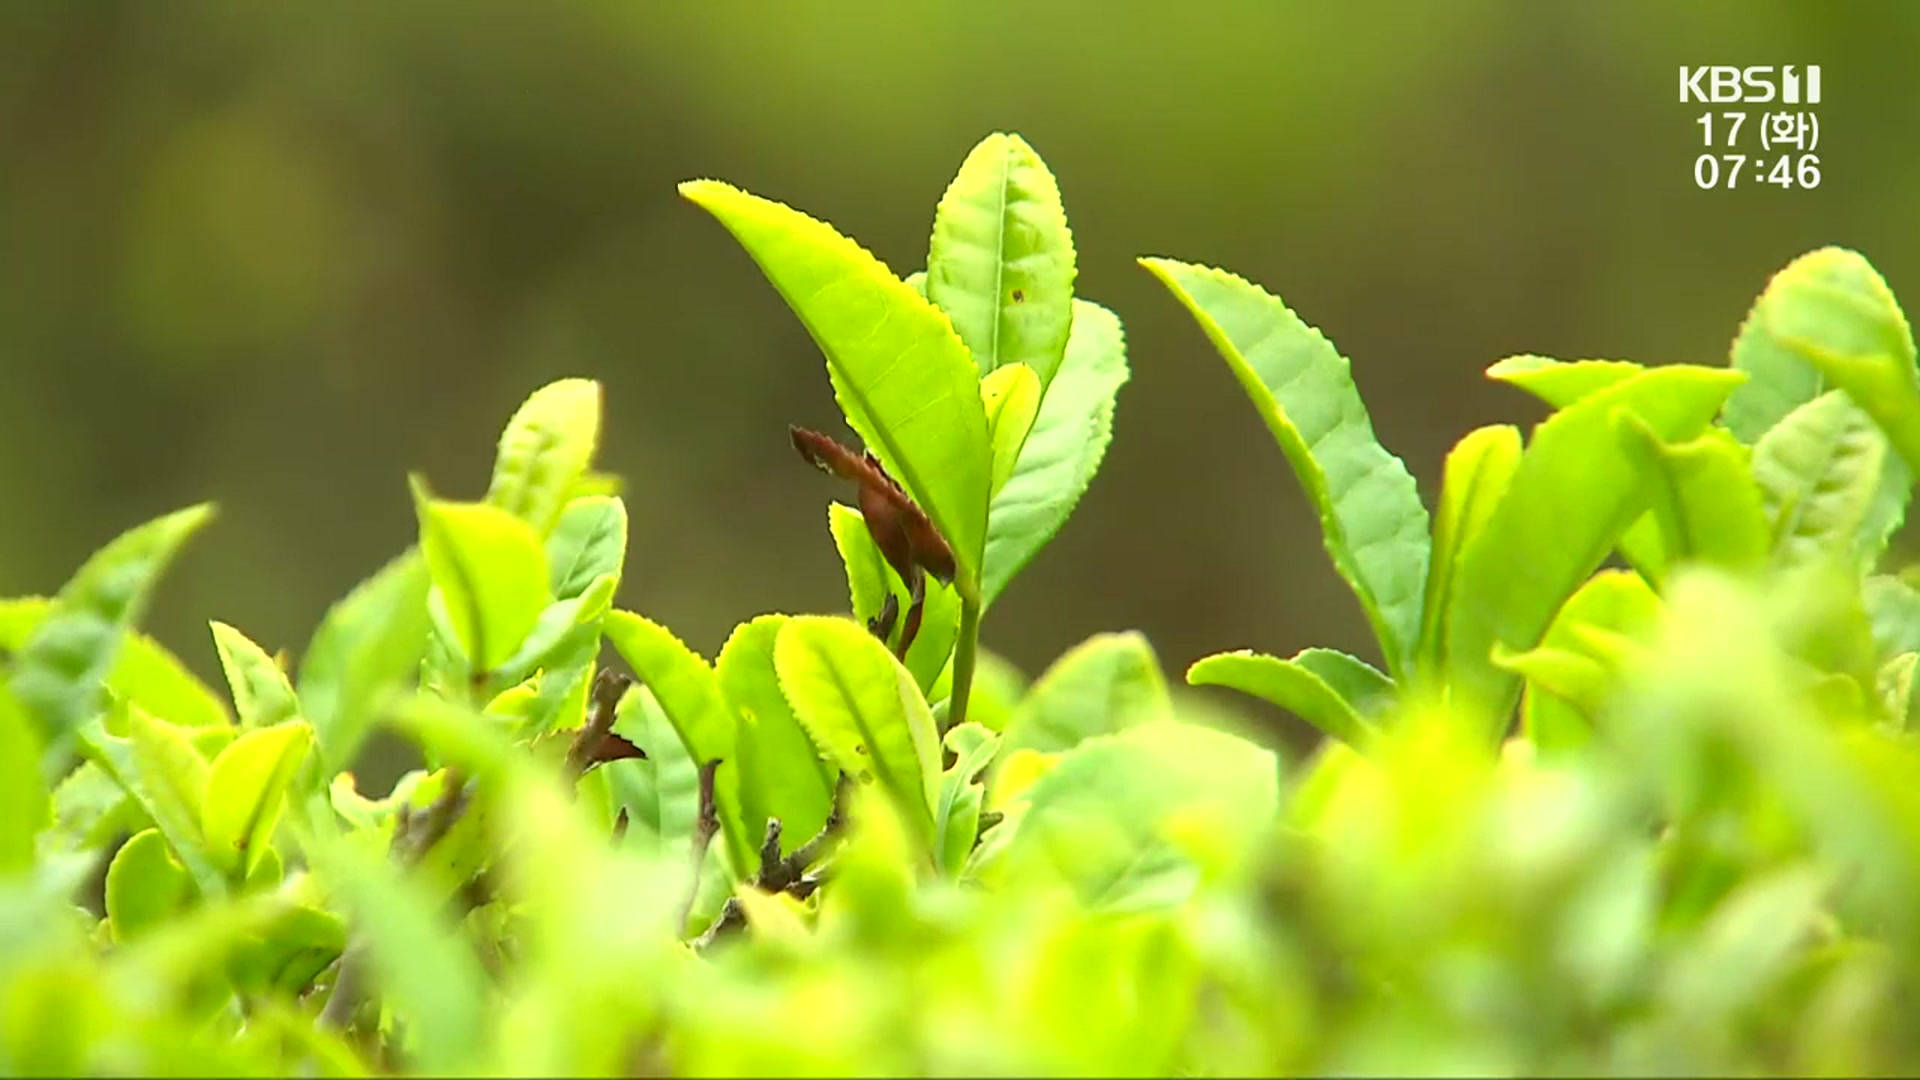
276,255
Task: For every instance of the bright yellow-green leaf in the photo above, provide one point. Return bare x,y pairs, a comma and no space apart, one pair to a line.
1834,311
862,710
246,788
1701,493
368,642
1567,679
1001,264
1062,450
1818,470
60,673
1572,494
1475,477
1560,383
903,377
25,807
589,541
689,693
1293,686
490,571
782,774
145,886
1371,517
1012,398
261,693
1105,684
545,450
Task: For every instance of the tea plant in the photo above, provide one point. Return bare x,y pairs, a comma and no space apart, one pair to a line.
861,843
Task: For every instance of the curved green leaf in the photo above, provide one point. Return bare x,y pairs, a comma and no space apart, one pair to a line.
1572,495
369,641
489,569
862,710
545,450
1560,383
1893,610
1371,517
956,817
1834,311
145,886
158,767
590,540
901,374
1702,494
1001,263
1063,447
689,693
1118,816
1566,674
60,672
781,773
1894,684
1818,470
25,807
1476,475
1105,684
144,672
870,580
246,786
1289,684
1783,378
1011,396
261,693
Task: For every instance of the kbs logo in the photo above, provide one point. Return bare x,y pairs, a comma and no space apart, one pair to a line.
1751,85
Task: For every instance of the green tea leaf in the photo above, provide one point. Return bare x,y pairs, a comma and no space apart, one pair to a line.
489,569
145,886
1291,685
545,450
158,767
1476,475
1118,815
1895,685
549,642
1560,383
589,541
1893,609
661,793
1011,396
1834,311
60,672
246,787
781,773
862,709
369,641
261,693
1566,676
870,580
901,374
1702,495
1779,380
1063,447
25,807
1001,264
428,975
956,817
1571,496
689,693
1818,471
1371,517
1105,684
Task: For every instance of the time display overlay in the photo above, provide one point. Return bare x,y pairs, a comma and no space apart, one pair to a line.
1786,141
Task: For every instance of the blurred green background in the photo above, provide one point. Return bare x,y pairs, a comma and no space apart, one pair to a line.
278,254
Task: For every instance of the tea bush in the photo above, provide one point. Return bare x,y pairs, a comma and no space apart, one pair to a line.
1634,788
